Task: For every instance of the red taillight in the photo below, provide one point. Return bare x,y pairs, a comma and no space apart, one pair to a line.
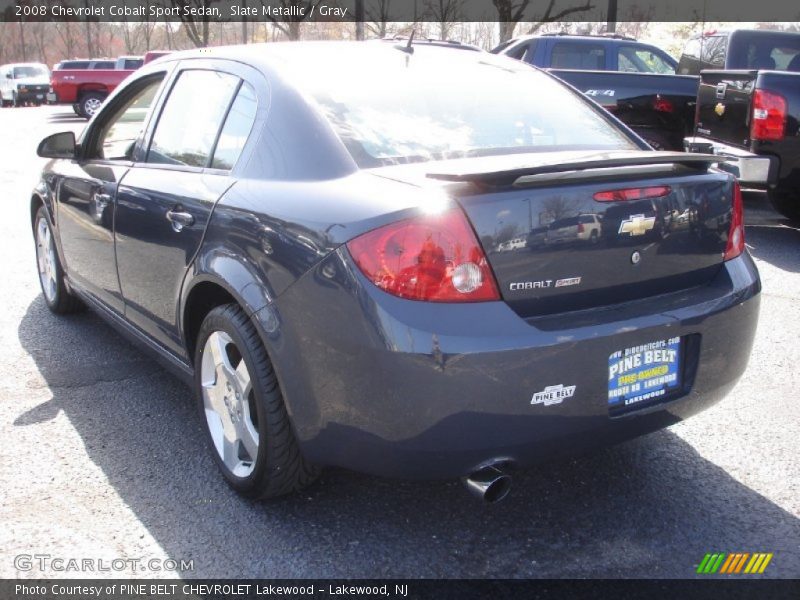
769,116
735,245
663,105
656,191
435,258
581,229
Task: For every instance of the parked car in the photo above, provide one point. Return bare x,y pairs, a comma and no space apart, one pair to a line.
749,109
85,88
123,62
23,83
578,228
309,248
633,80
152,55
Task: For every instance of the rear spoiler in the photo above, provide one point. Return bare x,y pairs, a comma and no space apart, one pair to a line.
510,175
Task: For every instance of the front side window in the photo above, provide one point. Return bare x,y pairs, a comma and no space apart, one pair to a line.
571,55
120,132
237,128
191,119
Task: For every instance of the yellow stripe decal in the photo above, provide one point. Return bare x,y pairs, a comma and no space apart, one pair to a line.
765,563
751,563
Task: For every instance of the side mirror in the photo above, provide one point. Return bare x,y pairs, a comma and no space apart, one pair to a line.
9,76
58,145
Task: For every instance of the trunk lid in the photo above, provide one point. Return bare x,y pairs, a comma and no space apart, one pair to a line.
724,106
554,248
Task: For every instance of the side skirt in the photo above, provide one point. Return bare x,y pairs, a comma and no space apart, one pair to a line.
169,361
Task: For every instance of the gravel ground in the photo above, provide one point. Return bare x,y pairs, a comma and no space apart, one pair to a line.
102,457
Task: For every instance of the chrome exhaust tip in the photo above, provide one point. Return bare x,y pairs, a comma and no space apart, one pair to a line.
489,484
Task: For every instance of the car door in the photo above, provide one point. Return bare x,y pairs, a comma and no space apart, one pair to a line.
87,187
165,201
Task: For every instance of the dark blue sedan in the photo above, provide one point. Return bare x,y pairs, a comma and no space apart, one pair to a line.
403,259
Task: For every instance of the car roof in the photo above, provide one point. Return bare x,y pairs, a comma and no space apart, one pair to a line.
609,37
288,57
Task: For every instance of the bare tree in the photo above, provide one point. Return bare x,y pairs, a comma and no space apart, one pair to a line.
377,16
197,28
549,16
509,13
445,13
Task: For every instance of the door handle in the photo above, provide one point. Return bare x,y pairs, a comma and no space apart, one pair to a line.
179,219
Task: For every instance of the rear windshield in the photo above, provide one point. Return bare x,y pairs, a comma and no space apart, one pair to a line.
409,108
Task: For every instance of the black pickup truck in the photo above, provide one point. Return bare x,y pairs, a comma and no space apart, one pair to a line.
749,109
637,82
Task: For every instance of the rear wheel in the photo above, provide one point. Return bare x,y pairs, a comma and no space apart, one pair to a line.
89,104
242,408
14,100
51,275
786,202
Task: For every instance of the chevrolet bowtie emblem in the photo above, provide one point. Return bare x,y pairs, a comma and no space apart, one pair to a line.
719,109
637,225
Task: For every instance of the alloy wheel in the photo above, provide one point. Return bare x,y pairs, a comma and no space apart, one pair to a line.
46,259
229,404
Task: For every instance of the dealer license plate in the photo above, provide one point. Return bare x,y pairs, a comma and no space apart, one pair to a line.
643,374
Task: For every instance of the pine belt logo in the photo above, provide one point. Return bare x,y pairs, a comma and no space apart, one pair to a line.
553,394
734,563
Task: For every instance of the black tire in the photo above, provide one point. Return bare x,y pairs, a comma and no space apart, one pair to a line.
787,203
279,467
14,100
77,109
60,301
89,104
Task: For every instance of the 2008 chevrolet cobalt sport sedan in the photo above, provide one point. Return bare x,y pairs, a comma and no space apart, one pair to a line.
406,260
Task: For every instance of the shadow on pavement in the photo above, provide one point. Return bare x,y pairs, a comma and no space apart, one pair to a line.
779,246
652,507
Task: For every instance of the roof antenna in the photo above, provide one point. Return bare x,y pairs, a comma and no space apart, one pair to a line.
408,48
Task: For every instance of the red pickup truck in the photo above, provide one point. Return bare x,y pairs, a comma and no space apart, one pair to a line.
85,89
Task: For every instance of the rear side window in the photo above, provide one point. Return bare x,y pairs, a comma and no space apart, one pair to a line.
713,53
104,64
133,63
642,60
237,128
569,55
192,116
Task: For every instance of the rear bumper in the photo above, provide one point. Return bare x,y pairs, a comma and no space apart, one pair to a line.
419,390
750,169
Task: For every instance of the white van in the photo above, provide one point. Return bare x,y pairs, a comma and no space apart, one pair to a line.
22,83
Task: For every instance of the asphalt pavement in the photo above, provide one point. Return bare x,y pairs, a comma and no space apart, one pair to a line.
102,457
